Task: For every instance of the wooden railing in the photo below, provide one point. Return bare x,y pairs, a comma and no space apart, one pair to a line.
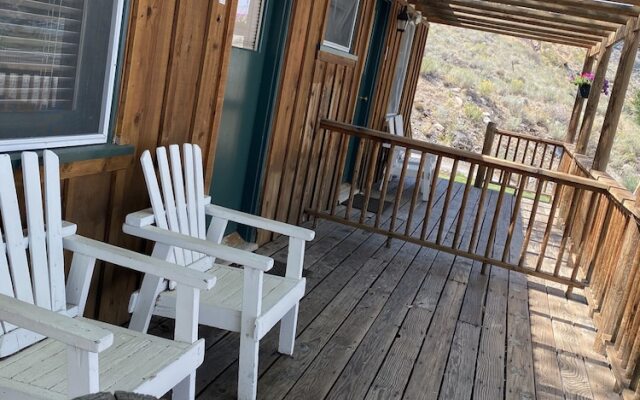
523,149
613,257
507,237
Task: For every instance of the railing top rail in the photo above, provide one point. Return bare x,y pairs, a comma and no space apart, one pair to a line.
491,162
532,138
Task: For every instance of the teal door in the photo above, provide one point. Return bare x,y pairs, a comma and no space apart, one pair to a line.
251,89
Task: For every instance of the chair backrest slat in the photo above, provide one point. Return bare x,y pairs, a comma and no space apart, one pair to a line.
54,230
199,176
6,287
169,200
35,224
190,186
178,190
13,233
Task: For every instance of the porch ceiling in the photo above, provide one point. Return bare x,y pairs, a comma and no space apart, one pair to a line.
581,23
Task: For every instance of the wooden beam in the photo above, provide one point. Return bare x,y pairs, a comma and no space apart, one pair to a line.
508,12
523,28
607,7
578,103
594,99
554,7
470,13
566,42
618,93
618,35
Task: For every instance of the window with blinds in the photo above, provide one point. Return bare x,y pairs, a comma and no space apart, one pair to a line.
57,67
246,33
341,24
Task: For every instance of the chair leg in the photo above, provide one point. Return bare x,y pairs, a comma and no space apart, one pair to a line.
248,367
288,326
186,389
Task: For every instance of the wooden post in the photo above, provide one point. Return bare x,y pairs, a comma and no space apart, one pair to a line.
594,98
578,103
612,117
489,136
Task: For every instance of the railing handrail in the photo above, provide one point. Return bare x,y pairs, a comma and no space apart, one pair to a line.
557,177
530,138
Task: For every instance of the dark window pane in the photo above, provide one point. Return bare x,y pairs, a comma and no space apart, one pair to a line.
341,23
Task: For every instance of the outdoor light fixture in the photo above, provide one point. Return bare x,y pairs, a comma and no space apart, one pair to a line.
403,19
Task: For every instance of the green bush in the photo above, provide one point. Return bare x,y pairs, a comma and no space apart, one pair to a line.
473,112
635,105
486,88
429,67
517,86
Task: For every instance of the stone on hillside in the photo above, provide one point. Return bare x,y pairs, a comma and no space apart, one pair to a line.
438,127
463,141
486,120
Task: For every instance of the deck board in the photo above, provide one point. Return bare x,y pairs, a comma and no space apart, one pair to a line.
405,322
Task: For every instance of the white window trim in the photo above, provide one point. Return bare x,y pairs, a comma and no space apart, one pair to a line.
102,135
340,47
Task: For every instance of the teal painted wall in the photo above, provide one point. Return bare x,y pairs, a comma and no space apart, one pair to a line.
246,115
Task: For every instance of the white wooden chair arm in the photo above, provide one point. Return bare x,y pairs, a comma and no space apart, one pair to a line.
139,262
259,222
70,331
241,257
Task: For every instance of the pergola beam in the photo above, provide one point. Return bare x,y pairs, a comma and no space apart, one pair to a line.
618,35
608,7
507,11
482,21
541,38
572,41
554,7
616,102
438,8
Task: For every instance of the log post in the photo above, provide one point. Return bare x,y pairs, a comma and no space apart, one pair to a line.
594,98
578,103
620,85
489,135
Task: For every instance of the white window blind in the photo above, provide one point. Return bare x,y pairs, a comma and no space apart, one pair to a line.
246,33
343,15
39,49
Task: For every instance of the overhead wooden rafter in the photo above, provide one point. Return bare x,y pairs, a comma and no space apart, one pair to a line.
580,23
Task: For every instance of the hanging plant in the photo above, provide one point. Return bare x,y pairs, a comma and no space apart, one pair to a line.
584,82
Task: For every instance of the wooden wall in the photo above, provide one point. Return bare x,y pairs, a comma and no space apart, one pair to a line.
177,53
413,74
315,84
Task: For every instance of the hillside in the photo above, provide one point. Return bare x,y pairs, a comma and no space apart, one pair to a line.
469,78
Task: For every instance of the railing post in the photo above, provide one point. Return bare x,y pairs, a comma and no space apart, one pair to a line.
579,102
489,136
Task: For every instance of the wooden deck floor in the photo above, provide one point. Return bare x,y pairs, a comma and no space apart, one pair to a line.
403,321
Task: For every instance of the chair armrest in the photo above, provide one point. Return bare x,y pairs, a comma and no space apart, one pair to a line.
241,257
139,262
260,222
70,331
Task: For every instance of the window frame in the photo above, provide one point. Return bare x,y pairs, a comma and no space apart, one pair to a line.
258,43
338,46
107,104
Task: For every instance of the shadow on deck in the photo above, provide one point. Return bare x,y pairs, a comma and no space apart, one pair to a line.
405,321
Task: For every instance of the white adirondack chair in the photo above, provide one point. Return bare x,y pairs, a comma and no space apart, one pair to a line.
47,350
245,300
395,124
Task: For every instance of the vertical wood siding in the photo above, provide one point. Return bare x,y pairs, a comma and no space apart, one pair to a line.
177,55
315,84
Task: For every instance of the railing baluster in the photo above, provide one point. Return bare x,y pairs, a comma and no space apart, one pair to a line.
465,196
547,233
478,219
498,146
515,151
371,171
494,223
604,229
575,200
447,197
526,151
588,226
553,155
531,224
355,177
416,193
399,190
544,153
385,183
432,192
338,173
514,219
535,154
